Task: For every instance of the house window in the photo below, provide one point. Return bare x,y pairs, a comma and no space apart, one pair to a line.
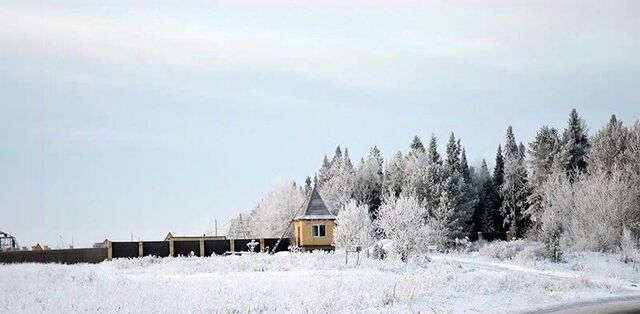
319,231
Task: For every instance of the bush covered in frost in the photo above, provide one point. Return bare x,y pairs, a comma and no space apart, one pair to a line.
514,250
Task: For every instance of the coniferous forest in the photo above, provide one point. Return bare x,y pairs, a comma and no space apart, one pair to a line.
566,189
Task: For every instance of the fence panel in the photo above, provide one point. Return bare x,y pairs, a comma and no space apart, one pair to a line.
184,248
283,246
67,256
217,247
124,249
155,248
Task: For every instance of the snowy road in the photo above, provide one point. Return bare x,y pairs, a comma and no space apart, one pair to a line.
619,305
502,266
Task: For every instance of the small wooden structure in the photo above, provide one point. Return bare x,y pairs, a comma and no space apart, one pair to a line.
314,226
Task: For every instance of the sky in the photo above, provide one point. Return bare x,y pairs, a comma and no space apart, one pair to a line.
123,119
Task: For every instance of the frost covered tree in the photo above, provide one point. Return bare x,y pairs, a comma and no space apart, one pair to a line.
457,192
575,145
514,191
453,153
465,170
324,174
557,205
632,153
494,194
394,176
482,216
605,204
608,146
417,145
354,226
401,220
415,170
629,246
367,189
276,208
338,189
434,175
432,153
543,152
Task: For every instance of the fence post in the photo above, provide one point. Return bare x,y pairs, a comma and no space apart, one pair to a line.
201,247
109,251
232,245
261,245
140,249
171,247
479,236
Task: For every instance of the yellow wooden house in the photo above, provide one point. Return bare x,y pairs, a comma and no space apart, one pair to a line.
313,228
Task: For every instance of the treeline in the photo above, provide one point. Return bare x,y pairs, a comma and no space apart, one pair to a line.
454,200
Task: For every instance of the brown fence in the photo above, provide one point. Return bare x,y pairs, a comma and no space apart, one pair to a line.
173,248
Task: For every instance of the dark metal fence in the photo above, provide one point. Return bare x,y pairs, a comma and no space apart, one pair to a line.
144,248
68,256
155,248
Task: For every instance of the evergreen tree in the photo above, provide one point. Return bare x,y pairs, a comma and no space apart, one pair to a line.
482,216
453,153
543,152
609,146
338,190
464,167
433,155
415,170
493,195
307,185
347,162
417,144
337,156
369,178
514,190
394,176
457,192
324,173
575,145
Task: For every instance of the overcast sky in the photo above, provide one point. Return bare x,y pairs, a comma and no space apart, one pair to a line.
130,117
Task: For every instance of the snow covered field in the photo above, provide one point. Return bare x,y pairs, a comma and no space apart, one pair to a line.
317,282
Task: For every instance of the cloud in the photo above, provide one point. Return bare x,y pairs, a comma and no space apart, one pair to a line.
392,46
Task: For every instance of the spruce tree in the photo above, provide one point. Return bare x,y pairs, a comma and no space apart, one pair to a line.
514,190
459,193
433,155
368,183
394,176
482,216
609,146
324,174
415,167
417,144
575,145
464,167
453,153
494,196
543,152
337,156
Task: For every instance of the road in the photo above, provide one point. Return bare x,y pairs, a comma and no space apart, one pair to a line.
620,305
615,305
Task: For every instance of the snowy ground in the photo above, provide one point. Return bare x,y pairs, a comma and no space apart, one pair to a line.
317,282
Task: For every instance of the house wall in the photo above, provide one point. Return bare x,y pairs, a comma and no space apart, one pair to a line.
304,236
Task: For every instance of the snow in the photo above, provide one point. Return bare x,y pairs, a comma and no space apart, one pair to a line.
311,282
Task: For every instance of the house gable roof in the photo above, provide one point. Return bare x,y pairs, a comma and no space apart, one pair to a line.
314,207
